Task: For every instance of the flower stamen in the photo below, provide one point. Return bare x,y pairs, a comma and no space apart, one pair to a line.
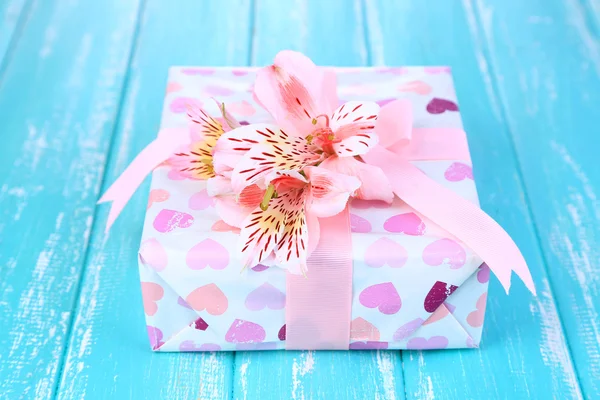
269,194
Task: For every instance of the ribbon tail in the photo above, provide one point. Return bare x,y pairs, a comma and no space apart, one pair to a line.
127,183
458,216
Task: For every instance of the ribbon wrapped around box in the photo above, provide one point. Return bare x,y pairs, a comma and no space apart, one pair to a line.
406,275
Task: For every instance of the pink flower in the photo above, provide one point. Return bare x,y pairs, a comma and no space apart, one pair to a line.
308,131
285,224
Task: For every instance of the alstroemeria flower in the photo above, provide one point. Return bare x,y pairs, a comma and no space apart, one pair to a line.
301,98
195,161
292,203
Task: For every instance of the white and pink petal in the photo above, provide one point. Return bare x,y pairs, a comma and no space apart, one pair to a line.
354,111
329,191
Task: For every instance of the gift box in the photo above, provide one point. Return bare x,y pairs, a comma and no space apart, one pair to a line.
413,284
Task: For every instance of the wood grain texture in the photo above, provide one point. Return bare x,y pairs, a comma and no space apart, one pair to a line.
522,334
11,12
545,56
109,354
308,26
58,101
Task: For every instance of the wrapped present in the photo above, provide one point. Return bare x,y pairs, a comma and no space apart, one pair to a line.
291,209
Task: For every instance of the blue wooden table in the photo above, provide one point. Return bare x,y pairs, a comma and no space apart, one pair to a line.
81,88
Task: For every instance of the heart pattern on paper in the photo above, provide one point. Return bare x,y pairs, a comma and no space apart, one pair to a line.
385,251
200,201
259,268
418,87
475,318
265,296
153,254
282,333
222,226
439,106
445,252
189,345
242,331
151,293
208,297
207,253
382,296
217,91
458,171
200,324
434,342
407,329
157,196
168,220
180,104
156,337
363,330
368,345
438,293
440,313
407,223
359,224
173,87
483,273
383,102
198,71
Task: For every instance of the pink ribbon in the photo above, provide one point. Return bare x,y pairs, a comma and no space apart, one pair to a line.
159,150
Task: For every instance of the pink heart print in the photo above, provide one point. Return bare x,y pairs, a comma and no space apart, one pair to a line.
434,342
440,313
200,324
437,70
217,91
157,196
438,293
239,72
222,226
475,318
265,296
245,332
385,251
207,253
151,293
198,71
361,329
156,337
439,106
256,346
445,252
189,345
407,329
408,223
458,171
180,104
210,298
200,201
483,274
168,220
418,87
359,224
383,102
153,254
382,296
282,333
173,87
368,346
259,268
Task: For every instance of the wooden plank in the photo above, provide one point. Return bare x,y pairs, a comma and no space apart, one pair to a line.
109,355
58,100
524,353
313,27
11,12
546,57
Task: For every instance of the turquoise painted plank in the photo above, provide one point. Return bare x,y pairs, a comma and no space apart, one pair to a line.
524,353
546,57
58,101
313,27
109,355
11,12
